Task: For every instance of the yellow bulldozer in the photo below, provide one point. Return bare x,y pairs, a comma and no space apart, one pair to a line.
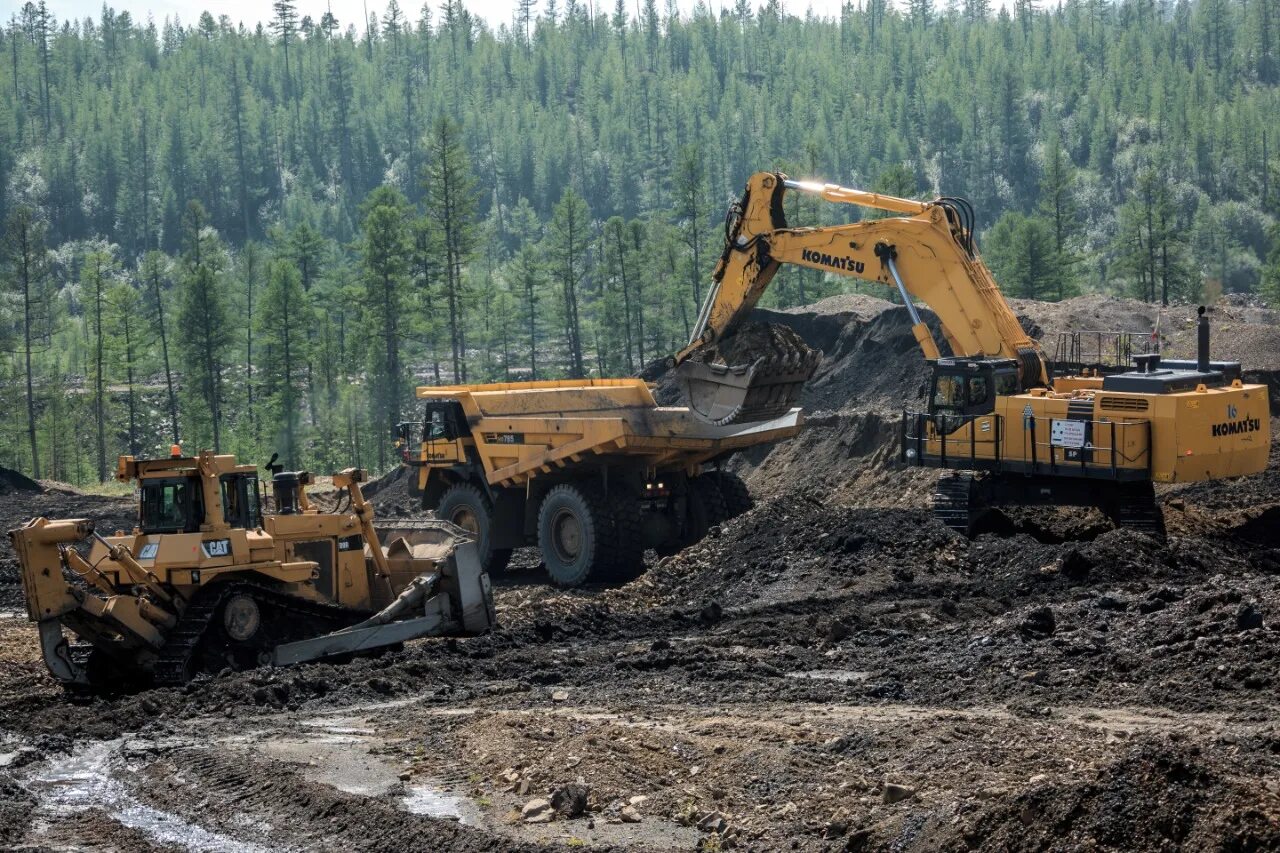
1014,427
209,579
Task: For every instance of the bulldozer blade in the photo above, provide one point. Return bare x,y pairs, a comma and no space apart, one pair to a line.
763,390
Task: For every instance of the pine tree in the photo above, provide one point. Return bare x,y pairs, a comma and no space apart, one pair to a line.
97,277
128,345
386,249
528,278
1271,270
204,328
154,272
28,279
284,317
690,180
568,239
451,211
1057,206
1021,253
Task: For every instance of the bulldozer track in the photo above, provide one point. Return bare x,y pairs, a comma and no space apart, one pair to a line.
174,666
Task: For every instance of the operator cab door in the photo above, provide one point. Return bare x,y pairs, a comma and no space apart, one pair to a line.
444,428
964,390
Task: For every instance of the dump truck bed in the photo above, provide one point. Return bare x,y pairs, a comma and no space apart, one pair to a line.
523,429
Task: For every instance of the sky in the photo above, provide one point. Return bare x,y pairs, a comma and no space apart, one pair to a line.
348,11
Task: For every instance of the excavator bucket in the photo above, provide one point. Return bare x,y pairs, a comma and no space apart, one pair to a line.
756,375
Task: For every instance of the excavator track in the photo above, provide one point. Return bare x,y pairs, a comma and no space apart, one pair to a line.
1136,508
756,375
179,660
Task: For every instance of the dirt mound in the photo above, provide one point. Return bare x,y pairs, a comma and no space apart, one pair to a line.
12,482
1158,795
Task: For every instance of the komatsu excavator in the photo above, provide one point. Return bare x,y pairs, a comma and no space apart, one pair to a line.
997,415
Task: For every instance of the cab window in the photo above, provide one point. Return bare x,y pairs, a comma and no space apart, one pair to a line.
436,426
1006,384
948,392
240,501
977,390
171,506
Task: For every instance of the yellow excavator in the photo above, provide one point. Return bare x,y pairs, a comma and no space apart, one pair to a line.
999,414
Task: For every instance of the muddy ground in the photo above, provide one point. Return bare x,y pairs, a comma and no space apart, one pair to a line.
832,671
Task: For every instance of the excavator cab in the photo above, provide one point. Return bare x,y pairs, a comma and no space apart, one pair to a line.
966,387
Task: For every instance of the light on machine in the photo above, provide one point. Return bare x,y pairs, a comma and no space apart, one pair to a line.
175,450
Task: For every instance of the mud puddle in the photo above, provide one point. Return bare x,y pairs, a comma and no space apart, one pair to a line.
90,778
346,753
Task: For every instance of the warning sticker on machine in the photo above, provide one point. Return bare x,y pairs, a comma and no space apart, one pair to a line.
1066,433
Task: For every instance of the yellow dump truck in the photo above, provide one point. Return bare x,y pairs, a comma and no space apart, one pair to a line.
591,471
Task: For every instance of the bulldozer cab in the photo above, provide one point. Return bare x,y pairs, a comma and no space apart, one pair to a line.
171,505
965,387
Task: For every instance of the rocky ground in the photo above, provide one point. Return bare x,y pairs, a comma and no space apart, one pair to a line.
831,671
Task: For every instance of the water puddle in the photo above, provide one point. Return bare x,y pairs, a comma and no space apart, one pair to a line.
844,676
432,802
344,753
84,780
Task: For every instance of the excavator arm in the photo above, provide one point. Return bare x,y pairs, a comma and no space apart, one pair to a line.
926,252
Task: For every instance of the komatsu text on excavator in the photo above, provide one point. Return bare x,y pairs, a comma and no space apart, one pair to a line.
999,415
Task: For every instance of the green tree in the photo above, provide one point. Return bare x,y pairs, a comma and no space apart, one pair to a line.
128,345
1058,208
1271,270
154,274
1022,255
385,250
204,327
568,239
28,279
1148,246
284,317
97,277
451,211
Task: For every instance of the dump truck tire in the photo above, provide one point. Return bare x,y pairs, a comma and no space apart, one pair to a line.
628,537
706,508
464,505
737,498
575,534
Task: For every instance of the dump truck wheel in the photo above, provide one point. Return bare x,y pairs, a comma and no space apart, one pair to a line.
737,498
628,538
706,508
574,533
464,505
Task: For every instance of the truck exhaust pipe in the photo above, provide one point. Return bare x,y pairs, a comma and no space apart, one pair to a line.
1202,342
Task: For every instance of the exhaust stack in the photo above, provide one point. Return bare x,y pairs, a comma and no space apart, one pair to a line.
1202,342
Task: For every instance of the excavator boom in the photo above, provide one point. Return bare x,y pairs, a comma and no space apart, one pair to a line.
925,252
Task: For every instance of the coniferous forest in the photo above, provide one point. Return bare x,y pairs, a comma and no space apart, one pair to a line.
262,239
